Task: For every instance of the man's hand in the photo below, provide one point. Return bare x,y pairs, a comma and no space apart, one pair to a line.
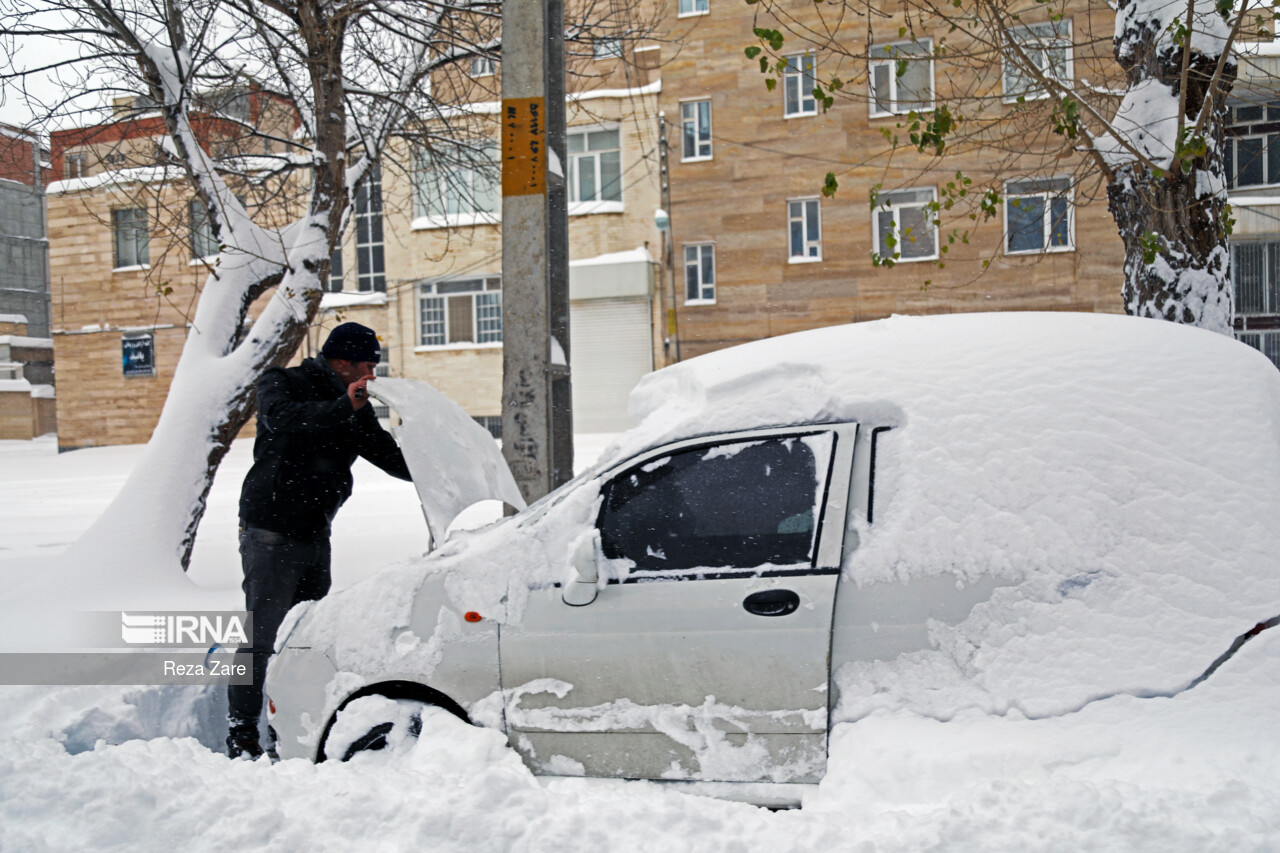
357,393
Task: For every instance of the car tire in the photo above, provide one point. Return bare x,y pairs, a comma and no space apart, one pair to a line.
376,724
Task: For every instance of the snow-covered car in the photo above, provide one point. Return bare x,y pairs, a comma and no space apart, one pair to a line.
1012,514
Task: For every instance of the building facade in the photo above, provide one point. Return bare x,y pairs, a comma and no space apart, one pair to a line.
758,250
698,217
27,407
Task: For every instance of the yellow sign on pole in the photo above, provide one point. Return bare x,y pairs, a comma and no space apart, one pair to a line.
524,146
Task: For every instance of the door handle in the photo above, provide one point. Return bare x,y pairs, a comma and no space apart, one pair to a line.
772,602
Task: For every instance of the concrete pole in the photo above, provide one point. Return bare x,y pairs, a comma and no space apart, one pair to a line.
537,412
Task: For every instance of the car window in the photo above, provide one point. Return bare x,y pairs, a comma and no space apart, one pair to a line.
738,505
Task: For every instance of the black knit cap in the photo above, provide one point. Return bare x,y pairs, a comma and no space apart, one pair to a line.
352,342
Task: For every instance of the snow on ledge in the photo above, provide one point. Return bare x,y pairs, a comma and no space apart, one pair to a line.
24,341
494,107
632,256
334,301
118,178
13,318
1254,200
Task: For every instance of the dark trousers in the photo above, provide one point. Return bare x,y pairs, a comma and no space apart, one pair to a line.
279,572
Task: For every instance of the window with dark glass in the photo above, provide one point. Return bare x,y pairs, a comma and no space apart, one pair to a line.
742,505
370,267
1252,148
132,238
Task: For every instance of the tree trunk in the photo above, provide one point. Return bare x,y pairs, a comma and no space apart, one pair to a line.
1174,221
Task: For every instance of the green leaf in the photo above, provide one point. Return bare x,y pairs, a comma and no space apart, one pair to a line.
754,51
830,185
770,83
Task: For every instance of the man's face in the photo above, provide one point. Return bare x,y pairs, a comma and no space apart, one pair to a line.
350,371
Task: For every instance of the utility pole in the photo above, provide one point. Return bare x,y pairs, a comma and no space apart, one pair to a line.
668,249
537,403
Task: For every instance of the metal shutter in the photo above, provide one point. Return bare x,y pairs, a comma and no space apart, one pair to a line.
610,349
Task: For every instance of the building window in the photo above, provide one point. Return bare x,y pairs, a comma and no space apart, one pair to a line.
482,66
131,237
1255,272
1048,47
203,243
798,81
493,423
693,7
695,130
904,224
370,268
335,271
1267,343
607,48
700,273
462,311
595,165
901,77
77,164
1037,216
138,354
1253,146
459,185
804,227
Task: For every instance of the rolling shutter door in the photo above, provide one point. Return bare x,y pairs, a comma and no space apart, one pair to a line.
610,349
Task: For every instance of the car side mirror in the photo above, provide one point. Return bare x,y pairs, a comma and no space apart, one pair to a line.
581,590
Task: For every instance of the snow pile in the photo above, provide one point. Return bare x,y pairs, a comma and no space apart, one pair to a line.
1193,773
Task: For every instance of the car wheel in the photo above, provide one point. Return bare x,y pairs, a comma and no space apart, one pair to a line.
375,724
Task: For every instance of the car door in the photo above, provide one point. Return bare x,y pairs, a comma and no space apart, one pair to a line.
703,653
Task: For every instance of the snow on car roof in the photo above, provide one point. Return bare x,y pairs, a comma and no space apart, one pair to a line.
1117,476
1121,475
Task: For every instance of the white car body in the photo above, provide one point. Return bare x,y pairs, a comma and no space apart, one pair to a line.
601,653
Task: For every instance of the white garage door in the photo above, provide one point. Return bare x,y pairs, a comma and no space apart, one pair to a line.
610,349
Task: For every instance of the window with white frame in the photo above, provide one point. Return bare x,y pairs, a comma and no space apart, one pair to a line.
370,264
695,130
203,243
606,48
76,164
700,273
904,224
804,228
132,239
1267,343
1047,46
693,7
1038,216
595,165
482,66
335,271
458,184
901,77
1253,146
1255,273
798,80
460,311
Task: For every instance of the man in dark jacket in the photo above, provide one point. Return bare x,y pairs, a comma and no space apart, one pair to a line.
313,421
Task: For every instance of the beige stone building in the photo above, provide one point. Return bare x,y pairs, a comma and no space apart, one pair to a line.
759,251
739,243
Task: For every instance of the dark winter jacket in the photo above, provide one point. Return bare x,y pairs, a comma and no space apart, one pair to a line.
308,438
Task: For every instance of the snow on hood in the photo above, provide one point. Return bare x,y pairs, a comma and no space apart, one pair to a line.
454,461
1119,475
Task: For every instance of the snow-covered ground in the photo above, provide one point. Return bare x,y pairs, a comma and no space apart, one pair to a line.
90,768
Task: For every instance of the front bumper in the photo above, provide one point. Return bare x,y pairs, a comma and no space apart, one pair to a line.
297,686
